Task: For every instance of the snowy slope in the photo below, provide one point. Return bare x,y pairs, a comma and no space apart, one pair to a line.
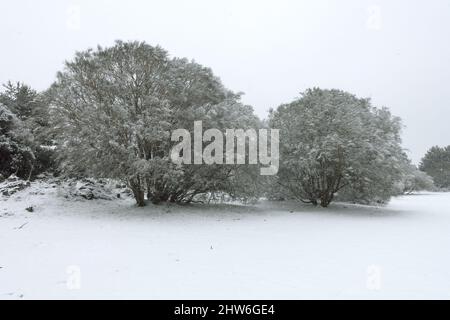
110,249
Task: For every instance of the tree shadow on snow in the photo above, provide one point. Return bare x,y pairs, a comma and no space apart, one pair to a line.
335,210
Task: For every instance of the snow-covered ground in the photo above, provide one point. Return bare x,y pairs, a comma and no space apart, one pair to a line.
110,249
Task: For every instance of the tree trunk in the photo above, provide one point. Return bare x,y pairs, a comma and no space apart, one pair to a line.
326,199
140,199
138,193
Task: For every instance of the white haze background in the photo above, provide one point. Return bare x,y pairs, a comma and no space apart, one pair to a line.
397,52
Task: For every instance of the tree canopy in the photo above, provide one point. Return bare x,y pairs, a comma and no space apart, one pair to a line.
436,164
335,143
114,110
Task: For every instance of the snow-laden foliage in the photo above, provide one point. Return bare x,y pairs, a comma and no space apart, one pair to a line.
7,119
436,164
413,180
16,152
30,107
332,142
12,185
24,128
20,99
114,110
92,189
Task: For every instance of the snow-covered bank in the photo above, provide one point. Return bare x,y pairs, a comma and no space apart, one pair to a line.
111,249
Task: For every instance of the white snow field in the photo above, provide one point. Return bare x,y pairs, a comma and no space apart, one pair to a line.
113,250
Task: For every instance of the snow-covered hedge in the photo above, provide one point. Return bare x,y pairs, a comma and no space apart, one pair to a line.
91,189
12,185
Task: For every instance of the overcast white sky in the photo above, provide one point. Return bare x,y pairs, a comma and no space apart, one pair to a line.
395,51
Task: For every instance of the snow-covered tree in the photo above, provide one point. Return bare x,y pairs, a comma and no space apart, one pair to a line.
21,99
16,146
30,109
115,108
413,180
333,143
436,164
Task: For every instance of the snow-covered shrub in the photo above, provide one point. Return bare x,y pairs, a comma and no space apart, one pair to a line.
7,119
332,142
24,125
16,152
92,189
436,164
115,108
413,180
12,185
